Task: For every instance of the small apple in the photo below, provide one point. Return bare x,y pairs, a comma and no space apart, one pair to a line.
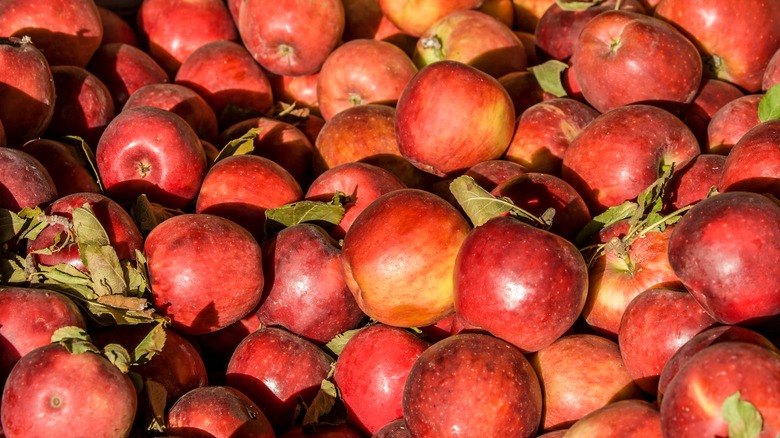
752,163
217,411
620,419
731,122
25,181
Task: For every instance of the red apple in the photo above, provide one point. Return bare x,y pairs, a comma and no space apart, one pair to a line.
218,346
740,59
620,419
619,153
772,72
241,90
371,372
151,151
474,384
451,116
361,72
580,374
712,95
65,164
3,140
416,16
297,40
323,430
753,164
622,57
731,122
492,173
523,89
693,182
473,38
394,429
115,28
25,181
217,411
544,132
193,259
363,19
26,90
67,32
172,30
399,257
298,90
734,278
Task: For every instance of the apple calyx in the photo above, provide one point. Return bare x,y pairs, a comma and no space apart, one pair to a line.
355,99
434,44
548,75
769,105
321,213
742,417
480,205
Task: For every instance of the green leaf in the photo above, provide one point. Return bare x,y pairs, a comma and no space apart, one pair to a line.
481,206
769,105
25,225
318,212
148,215
64,278
12,269
156,399
743,418
136,276
336,345
87,156
97,254
75,339
150,345
610,216
105,314
241,146
577,5
118,355
326,408
548,74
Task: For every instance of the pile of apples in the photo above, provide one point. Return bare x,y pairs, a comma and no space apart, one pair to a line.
390,218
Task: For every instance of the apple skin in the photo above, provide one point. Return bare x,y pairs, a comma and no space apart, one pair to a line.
753,164
305,290
416,16
361,182
740,59
299,38
27,83
492,173
731,122
116,29
476,384
192,260
620,419
172,30
240,91
217,411
691,404
344,430
473,38
519,295
360,72
3,140
25,182
67,32
298,90
619,153
712,95
399,257
363,19
622,57
152,151
693,182
451,116
217,347
772,72
371,372
528,13
544,132
705,338
64,164
276,368
523,89
579,374
123,69
394,429
734,278
655,324
182,101
83,107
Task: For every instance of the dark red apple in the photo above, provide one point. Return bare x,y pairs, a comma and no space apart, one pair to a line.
731,122
371,372
26,90
416,16
65,164
753,164
360,72
25,181
523,89
218,346
323,430
623,57
299,38
772,72
298,90
712,95
115,28
151,151
205,272
452,116
620,419
474,384
394,429
693,182
217,411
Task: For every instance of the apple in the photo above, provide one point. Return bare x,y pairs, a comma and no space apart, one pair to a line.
25,182
655,324
741,59
26,83
502,10
579,374
67,32
151,151
544,132
619,153
276,369
474,38
519,295
620,419
752,164
51,386
180,100
713,95
693,182
300,91
692,403
3,140
217,347
217,411
361,182
528,13
399,257
523,89
83,107
731,122
371,372
394,429
772,72
123,69
241,91
451,116
475,384
305,291
115,28
735,279
192,260
297,40
65,164
323,430
622,57
360,72
492,173
416,16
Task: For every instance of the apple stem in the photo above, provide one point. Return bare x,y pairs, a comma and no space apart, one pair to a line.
433,42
